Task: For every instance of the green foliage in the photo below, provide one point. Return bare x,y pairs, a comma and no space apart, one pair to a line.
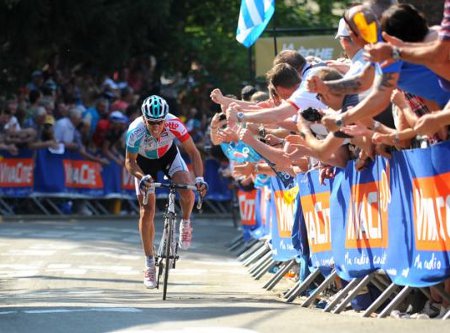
108,33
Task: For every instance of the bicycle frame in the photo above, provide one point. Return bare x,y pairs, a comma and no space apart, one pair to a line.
167,256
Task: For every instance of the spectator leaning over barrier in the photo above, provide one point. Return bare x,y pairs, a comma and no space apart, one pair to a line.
433,54
66,132
333,148
411,78
93,115
407,110
10,147
113,144
301,99
34,98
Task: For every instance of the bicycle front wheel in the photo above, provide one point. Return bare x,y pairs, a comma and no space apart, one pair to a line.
168,253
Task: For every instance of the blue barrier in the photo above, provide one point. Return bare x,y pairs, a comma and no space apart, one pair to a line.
42,173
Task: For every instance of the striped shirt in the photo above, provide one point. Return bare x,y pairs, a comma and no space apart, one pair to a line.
445,25
139,139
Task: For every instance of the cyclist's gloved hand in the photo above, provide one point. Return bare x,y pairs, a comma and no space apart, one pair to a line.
202,186
145,183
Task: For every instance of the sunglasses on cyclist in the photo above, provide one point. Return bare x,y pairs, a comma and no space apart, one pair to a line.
153,123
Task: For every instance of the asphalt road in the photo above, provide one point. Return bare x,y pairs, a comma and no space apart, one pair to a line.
86,276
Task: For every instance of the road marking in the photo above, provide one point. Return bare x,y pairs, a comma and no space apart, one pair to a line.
107,255
75,271
193,330
40,253
58,266
44,311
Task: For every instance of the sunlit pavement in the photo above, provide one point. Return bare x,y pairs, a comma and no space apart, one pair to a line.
86,276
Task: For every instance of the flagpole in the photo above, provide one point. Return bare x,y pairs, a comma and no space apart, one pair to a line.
274,30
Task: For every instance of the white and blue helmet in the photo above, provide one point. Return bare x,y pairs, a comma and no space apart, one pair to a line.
154,108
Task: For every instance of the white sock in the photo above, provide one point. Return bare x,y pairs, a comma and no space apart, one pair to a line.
149,261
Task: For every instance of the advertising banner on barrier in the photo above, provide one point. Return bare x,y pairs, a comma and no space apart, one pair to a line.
256,233
16,174
247,211
419,235
315,201
283,201
359,204
82,176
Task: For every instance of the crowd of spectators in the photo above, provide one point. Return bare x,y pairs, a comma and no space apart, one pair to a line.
84,111
320,115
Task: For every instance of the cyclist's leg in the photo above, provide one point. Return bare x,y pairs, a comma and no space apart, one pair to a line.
187,197
146,225
179,173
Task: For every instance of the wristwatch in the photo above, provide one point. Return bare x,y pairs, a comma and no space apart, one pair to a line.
396,53
339,122
240,116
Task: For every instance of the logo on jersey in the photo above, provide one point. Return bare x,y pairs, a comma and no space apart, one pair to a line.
135,135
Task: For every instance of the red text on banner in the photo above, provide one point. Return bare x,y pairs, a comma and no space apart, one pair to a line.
247,207
431,200
367,224
82,174
316,212
285,207
16,172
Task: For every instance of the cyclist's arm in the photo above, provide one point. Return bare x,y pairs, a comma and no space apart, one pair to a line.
196,159
132,166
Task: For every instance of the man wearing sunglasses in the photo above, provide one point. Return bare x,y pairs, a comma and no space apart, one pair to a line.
150,148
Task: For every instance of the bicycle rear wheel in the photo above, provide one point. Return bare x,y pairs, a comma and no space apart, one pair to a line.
168,254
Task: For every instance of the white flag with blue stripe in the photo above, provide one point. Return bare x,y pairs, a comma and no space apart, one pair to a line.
253,19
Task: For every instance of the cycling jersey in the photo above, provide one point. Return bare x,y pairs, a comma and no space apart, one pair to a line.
139,140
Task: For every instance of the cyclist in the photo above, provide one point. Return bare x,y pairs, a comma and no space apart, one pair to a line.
149,149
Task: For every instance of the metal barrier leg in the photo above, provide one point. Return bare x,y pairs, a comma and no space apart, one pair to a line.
257,254
251,250
54,206
102,209
5,209
380,300
362,283
302,286
447,315
38,203
397,299
245,247
237,245
330,278
264,269
279,275
341,294
257,265
237,240
91,207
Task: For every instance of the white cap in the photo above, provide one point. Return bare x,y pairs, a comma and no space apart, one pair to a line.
342,29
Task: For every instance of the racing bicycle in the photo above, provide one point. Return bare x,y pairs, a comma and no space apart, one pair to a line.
167,254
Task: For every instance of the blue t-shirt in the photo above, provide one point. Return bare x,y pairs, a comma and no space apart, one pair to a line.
420,81
240,152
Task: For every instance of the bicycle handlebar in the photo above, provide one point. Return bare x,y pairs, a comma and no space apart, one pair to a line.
175,186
